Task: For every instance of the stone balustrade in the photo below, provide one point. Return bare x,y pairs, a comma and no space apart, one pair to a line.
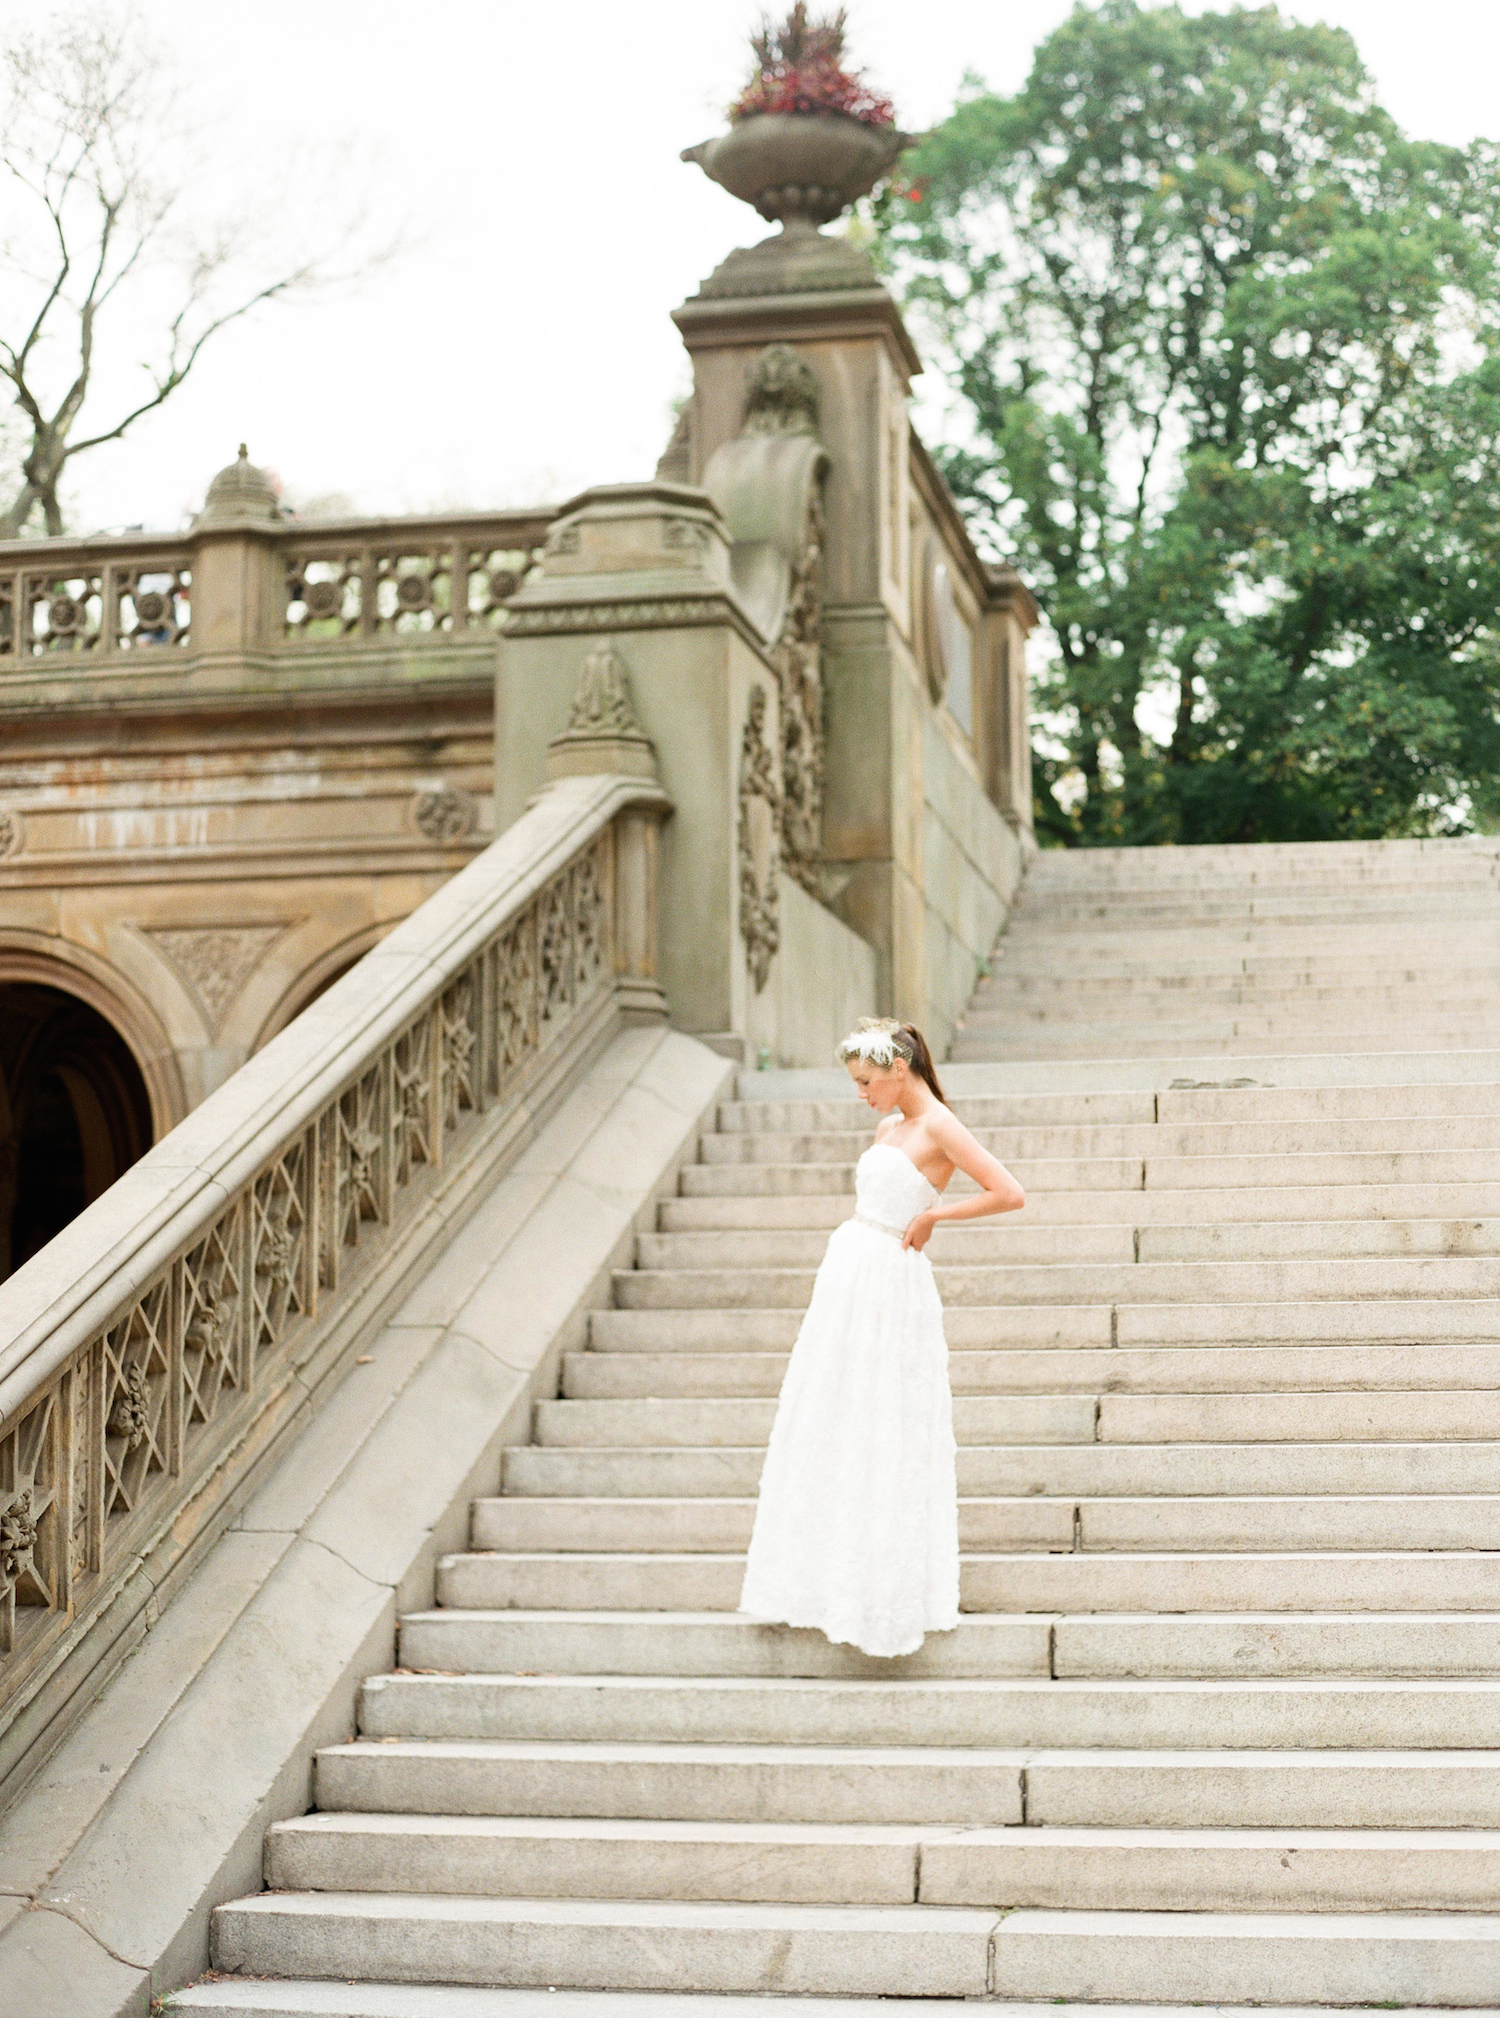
157,1350
326,584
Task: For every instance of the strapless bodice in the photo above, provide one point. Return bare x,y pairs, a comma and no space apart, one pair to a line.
889,1188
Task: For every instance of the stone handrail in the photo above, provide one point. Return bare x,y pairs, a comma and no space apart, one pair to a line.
153,1352
327,582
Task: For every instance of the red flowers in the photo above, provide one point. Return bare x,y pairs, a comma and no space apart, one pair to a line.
800,71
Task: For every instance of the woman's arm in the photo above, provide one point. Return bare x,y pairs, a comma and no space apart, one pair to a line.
998,1190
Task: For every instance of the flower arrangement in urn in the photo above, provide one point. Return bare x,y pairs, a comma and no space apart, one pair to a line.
802,70
806,135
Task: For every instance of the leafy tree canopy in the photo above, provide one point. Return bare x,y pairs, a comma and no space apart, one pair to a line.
1226,345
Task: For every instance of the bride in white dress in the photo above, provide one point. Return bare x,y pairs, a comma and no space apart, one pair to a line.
856,1528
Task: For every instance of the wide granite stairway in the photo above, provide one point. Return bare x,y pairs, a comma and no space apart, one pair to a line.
1221,1724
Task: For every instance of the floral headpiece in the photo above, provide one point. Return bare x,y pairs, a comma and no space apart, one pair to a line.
878,1039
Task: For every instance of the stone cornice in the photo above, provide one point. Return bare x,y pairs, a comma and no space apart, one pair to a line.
829,314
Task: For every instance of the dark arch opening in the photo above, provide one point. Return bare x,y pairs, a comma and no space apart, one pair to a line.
75,1114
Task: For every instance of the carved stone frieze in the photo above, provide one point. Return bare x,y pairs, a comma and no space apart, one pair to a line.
12,832
214,961
655,614
758,837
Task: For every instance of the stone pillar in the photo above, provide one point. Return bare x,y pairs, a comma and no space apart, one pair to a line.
821,297
630,645
237,595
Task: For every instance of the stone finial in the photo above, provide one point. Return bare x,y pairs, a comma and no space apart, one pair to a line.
604,733
781,394
239,491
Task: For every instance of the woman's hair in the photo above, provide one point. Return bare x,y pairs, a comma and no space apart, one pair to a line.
883,1041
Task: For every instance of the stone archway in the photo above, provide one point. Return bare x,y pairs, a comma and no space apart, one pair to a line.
74,1108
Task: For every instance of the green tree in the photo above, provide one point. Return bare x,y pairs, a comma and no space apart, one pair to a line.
1225,342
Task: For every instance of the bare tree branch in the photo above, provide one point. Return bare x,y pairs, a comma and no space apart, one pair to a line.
101,170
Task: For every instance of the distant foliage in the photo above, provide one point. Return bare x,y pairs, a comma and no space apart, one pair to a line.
1228,351
801,69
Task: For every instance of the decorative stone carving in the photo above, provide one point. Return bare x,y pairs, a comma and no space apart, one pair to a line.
604,732
768,486
445,814
781,394
798,662
12,832
758,843
602,704
214,960
658,613
686,535
564,539
18,1536
130,1417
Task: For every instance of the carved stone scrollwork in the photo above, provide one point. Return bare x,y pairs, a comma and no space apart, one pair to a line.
798,661
12,832
759,844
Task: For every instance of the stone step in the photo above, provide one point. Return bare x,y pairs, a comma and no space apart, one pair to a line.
1015,1242
698,1424
1228,1870
1249,1004
1428,1960
1091,1470
1226,1205
1145,985
547,1857
722,1526
1415,1580
1125,1173
585,1943
235,1997
1221,1369
1398,1959
704,1330
650,1643
1067,1142
744,1783
1122,1043
1179,1645
1168,1104
1389,1415
1305,1280
1416,1735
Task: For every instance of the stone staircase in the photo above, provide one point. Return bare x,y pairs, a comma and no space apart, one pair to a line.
1221,1723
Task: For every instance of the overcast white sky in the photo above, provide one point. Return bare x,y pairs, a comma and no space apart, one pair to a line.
521,348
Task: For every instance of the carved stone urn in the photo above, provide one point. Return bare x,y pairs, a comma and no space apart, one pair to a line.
799,168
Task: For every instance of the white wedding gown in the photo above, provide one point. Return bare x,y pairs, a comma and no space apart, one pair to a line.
856,1529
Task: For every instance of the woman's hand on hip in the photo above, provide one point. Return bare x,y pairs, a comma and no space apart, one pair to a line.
919,1232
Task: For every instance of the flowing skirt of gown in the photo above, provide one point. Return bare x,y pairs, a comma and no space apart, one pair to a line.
856,1528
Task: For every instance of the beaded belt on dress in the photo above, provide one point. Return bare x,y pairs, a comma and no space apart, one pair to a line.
896,1232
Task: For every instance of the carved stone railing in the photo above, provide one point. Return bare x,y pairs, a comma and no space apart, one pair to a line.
326,583
155,1349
